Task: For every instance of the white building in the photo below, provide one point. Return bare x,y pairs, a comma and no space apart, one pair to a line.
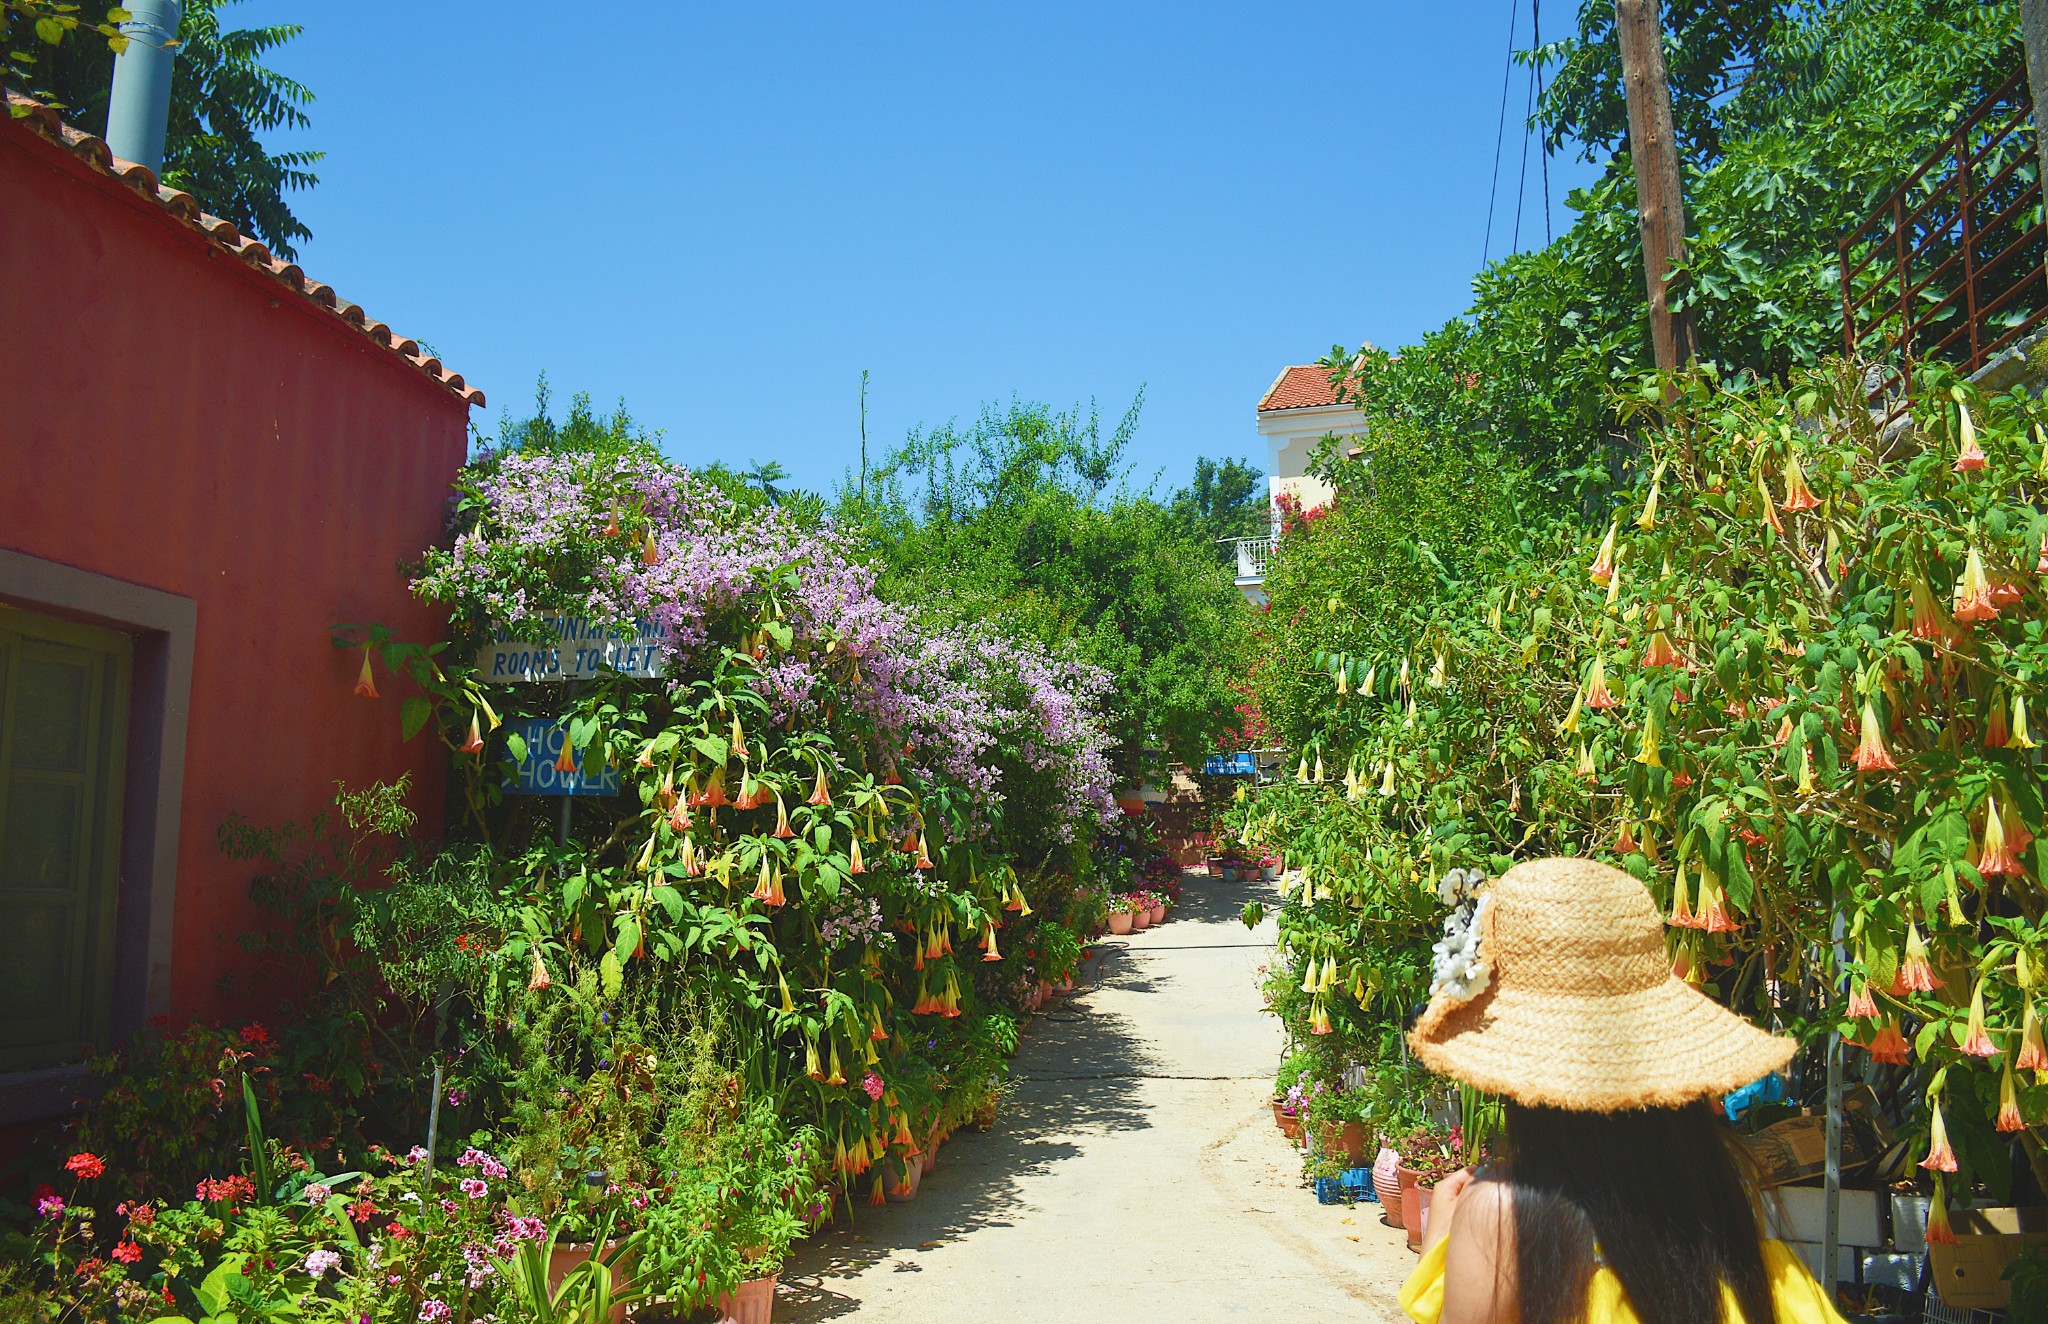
1297,411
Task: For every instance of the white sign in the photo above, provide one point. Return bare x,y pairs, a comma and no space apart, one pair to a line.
577,650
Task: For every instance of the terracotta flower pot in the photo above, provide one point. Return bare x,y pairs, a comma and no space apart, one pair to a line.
1119,922
1215,866
1159,914
568,1256
908,1172
1414,1205
1280,1115
1141,921
1345,1138
752,1302
1386,1183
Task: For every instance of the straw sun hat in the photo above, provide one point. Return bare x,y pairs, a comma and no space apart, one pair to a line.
1578,1007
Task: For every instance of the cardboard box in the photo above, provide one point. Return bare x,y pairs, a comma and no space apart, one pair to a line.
1797,1148
1799,1213
1971,1273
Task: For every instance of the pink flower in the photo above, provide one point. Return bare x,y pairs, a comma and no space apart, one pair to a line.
872,1083
474,1188
50,1206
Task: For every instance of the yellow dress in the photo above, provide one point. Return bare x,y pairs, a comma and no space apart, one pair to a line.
1798,1297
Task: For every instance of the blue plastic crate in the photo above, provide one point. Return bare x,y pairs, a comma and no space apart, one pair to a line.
1351,1187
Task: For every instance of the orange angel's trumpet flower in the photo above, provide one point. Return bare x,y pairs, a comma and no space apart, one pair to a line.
565,762
1996,733
1598,696
1888,1045
1660,653
650,551
475,743
1939,1231
1974,599
1771,519
924,861
1862,1006
1681,903
1940,1157
1871,754
2033,1055
2009,1118
366,683
1970,456
678,818
1626,842
1928,623
1602,570
838,1077
782,828
876,1195
1916,972
2018,738
1977,1043
538,980
1713,914
821,793
988,945
714,796
1996,857
1797,495
857,865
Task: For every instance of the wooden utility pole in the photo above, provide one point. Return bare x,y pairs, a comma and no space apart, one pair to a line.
1653,145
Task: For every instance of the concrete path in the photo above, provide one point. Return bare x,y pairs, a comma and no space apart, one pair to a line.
1135,1174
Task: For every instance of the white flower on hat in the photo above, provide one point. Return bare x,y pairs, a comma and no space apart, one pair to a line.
1458,971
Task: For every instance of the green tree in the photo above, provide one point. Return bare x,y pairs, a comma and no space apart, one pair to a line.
1797,117
1025,518
224,99
1225,498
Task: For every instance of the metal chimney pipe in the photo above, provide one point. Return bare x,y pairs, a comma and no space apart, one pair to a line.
141,99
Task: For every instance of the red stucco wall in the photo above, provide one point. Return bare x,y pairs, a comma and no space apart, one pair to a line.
171,418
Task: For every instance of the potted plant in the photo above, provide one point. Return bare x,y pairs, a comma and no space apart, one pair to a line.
1335,1118
741,1188
1121,917
1427,1157
1269,867
1158,907
1140,904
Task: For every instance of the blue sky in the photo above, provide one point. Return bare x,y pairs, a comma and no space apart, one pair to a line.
723,213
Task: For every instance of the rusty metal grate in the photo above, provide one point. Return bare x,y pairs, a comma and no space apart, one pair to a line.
1950,265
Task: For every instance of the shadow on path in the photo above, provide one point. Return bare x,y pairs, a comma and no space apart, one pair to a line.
1079,1072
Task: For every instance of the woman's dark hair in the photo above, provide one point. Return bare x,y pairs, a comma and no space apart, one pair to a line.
1660,1192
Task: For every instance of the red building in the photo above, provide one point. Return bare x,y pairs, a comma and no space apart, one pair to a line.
206,460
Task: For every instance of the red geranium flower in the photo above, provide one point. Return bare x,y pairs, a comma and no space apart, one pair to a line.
86,1166
127,1252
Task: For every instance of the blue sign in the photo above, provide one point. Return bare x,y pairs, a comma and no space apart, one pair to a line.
538,774
1240,764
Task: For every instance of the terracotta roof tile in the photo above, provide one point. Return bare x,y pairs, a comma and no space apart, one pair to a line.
45,123
1303,386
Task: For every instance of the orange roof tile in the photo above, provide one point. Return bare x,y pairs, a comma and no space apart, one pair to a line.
45,123
1303,386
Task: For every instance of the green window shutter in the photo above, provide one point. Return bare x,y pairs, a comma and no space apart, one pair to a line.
63,734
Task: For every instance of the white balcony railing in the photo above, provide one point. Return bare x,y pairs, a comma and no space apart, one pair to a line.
1252,556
